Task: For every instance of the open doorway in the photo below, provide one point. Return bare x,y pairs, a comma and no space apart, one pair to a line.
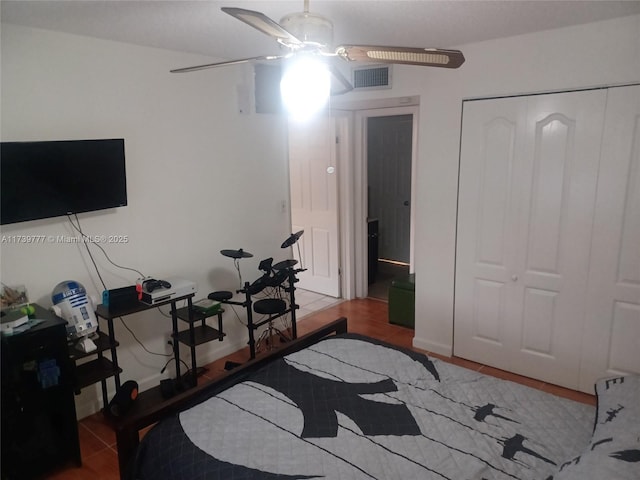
354,192
389,153
347,149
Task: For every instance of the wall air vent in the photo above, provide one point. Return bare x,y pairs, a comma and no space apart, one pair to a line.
372,77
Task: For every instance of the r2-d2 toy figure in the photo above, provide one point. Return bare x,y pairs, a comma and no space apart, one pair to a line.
70,301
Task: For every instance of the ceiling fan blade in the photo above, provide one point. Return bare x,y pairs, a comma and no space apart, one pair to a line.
261,22
431,57
227,63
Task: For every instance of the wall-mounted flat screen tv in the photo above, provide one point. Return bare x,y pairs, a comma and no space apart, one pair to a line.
55,178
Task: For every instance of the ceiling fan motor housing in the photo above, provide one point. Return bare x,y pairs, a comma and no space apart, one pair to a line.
312,29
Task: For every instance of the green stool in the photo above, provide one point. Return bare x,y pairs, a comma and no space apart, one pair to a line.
402,301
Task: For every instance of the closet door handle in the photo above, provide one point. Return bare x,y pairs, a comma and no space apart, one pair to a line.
514,278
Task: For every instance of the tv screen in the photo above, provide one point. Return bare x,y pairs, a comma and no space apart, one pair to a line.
50,179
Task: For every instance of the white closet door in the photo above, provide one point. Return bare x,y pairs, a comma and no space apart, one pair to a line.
487,228
528,178
612,328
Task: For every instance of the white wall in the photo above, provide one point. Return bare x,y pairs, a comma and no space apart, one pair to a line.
591,55
201,177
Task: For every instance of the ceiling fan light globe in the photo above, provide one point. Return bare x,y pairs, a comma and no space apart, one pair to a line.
312,29
305,87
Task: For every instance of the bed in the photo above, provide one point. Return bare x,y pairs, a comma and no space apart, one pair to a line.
336,405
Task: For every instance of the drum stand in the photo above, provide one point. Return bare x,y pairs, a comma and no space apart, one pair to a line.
266,338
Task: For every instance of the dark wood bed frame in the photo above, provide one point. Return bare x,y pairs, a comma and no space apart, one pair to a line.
150,407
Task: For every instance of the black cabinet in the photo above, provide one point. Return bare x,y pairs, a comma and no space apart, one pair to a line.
39,426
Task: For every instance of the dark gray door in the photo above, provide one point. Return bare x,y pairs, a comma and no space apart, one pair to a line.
389,141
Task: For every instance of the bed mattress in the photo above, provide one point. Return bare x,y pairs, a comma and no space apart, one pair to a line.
350,407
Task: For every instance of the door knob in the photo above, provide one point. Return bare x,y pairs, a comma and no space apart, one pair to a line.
406,203
514,278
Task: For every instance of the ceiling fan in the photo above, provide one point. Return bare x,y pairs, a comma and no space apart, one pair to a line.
310,33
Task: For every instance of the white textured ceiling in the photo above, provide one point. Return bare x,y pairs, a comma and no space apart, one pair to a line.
200,27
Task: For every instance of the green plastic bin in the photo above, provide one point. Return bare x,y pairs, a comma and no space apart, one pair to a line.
402,301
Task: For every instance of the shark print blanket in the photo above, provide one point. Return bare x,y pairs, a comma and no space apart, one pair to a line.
350,407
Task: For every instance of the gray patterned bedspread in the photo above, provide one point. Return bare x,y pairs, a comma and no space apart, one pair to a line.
350,407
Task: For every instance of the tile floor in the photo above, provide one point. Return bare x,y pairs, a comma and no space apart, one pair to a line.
311,302
365,316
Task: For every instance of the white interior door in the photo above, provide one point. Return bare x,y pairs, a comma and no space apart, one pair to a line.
313,167
611,343
528,174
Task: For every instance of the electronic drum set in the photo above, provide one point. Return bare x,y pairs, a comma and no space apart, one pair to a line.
276,289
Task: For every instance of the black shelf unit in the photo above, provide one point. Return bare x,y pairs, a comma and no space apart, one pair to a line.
39,425
102,368
95,371
203,333
98,369
197,334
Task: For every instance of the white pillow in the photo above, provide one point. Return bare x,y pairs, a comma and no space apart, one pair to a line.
614,451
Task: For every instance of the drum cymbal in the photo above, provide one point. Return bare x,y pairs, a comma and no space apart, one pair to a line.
292,239
236,253
285,264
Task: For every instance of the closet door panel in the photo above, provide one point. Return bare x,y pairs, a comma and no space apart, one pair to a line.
562,156
611,343
552,158
486,227
488,311
540,312
499,137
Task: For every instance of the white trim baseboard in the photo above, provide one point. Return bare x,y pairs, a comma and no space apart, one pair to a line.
435,347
